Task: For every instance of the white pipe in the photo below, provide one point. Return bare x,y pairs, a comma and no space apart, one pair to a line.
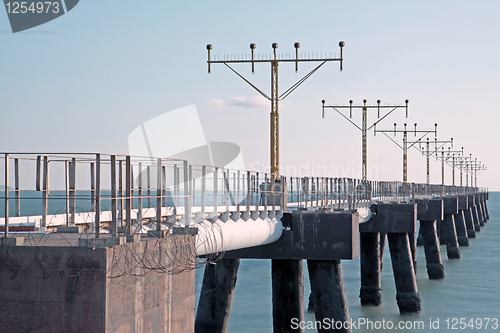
230,235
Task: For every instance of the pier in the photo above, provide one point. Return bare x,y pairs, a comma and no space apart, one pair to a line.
114,240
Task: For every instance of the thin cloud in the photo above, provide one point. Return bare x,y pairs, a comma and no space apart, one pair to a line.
239,101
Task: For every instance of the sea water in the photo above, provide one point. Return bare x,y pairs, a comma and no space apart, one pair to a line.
463,301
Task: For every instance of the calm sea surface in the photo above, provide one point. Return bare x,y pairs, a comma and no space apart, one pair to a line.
471,289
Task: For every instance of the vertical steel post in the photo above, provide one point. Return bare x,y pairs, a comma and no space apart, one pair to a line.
72,191
248,192
114,227
159,193
97,195
203,191
405,157
92,187
45,190
66,190
148,175
428,163
120,192
442,166
16,187
453,169
176,188
187,195
274,118
364,142
216,208
128,194
6,191
139,194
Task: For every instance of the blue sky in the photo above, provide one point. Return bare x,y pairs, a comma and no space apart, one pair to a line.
84,81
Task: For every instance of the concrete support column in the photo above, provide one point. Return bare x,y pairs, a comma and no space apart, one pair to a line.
469,222
219,281
450,234
461,228
435,269
288,294
486,208
483,211
420,239
328,290
475,218
480,215
407,295
413,249
441,232
383,237
370,263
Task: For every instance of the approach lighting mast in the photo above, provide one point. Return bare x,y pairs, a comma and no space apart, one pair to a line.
364,123
406,145
274,60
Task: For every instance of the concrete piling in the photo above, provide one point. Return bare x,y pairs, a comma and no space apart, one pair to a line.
288,294
219,281
383,237
435,269
460,225
329,295
413,249
469,222
461,229
475,218
370,262
407,295
449,233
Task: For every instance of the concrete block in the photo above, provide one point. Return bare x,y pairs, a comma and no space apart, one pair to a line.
70,230
12,241
133,238
312,235
430,210
185,231
102,242
463,202
123,230
158,233
471,200
450,205
392,218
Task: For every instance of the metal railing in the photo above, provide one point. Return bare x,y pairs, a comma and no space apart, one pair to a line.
117,193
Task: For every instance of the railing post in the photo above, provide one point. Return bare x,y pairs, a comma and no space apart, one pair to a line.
203,191
92,187
98,196
187,195
159,193
72,191
16,187
120,192
176,189
248,192
216,194
139,194
148,184
6,195
226,190
113,196
66,189
45,191
128,193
